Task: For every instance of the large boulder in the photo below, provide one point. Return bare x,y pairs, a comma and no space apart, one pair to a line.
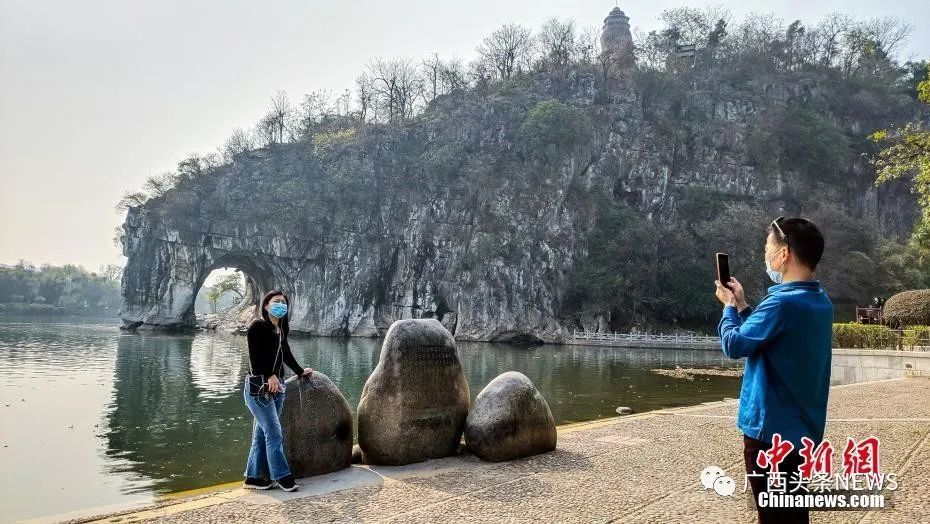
317,424
414,404
510,420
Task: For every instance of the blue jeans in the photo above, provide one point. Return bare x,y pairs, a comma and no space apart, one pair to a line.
266,458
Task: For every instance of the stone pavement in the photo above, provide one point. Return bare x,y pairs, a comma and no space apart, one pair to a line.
641,468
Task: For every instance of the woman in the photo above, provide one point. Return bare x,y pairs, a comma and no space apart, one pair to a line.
268,352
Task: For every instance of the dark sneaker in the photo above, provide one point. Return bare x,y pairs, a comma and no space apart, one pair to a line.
287,483
257,483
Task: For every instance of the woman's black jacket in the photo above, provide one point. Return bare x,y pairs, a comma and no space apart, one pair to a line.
263,351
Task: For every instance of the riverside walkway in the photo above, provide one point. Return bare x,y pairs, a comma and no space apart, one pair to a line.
640,468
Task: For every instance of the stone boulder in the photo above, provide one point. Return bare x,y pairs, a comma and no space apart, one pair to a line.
414,404
317,424
509,420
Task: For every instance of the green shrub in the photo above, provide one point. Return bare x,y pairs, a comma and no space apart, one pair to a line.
910,308
552,124
915,336
866,336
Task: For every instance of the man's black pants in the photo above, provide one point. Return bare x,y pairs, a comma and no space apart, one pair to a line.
751,449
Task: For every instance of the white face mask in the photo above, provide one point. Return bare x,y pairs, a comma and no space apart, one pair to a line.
774,275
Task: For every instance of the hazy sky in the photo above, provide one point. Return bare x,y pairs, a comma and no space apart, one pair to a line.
95,96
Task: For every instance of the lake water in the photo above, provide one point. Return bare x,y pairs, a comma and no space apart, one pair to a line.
92,416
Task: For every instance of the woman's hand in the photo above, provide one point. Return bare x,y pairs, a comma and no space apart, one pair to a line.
307,372
274,385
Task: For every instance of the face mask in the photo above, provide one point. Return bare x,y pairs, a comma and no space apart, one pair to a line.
774,275
278,309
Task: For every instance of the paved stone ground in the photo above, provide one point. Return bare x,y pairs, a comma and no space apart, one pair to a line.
642,468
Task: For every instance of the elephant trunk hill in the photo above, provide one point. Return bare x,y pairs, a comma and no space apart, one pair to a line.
521,210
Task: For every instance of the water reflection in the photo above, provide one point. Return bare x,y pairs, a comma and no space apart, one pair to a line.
215,364
164,426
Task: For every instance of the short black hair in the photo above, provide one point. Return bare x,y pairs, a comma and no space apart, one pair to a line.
803,238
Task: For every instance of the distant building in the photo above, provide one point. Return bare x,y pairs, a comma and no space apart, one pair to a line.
616,39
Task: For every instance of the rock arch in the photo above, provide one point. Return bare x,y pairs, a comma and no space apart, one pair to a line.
167,264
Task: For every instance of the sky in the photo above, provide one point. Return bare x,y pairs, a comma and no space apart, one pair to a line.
96,96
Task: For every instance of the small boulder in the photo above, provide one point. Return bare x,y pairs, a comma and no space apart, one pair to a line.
623,410
317,424
509,420
414,404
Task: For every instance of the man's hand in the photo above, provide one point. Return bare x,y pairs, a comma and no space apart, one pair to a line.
724,295
732,295
738,293
307,372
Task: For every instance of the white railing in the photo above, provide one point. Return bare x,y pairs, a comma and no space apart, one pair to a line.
645,338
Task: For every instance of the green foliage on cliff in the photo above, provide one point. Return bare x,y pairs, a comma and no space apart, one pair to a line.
552,127
907,155
800,139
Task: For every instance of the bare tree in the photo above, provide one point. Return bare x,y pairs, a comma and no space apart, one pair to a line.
365,94
508,50
558,43
272,127
830,33
111,272
432,70
158,185
343,104
131,199
480,73
313,110
888,33
588,45
869,45
453,76
397,87
239,142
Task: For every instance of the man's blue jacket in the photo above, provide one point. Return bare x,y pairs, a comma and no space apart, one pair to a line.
787,340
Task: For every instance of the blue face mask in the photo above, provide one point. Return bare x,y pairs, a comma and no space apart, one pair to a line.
774,275
278,309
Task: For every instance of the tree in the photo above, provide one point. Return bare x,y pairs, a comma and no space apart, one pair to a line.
273,127
453,76
907,155
213,295
558,43
315,108
396,87
111,272
231,283
365,94
508,50
694,26
131,199
432,70
239,142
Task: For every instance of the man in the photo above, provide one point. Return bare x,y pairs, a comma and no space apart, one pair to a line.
787,344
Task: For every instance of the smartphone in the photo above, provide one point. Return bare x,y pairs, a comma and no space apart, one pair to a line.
723,269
